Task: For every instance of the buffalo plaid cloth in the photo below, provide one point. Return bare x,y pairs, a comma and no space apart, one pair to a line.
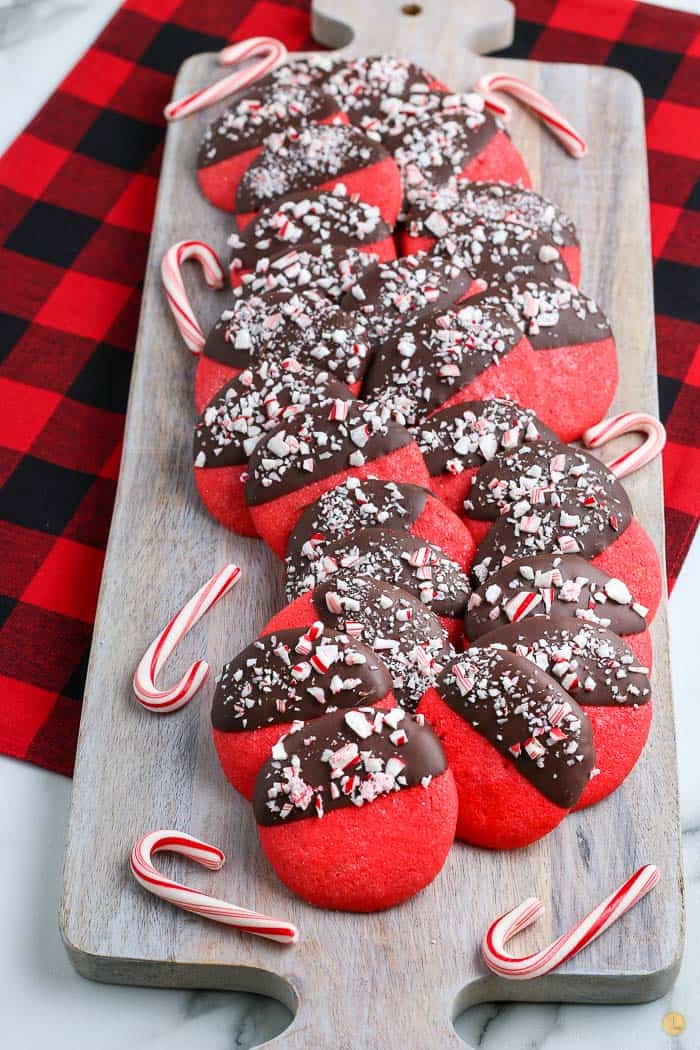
77,191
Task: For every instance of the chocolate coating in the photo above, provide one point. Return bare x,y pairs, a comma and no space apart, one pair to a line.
408,637
370,86
552,314
278,679
502,253
527,717
247,325
325,268
350,758
313,445
565,586
394,556
304,160
435,145
468,435
326,217
594,666
427,361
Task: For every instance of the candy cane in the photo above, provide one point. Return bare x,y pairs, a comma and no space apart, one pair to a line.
178,301
628,423
268,53
524,968
541,106
158,652
192,900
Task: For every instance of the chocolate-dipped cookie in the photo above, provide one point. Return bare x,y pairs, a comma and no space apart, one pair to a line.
324,268
520,748
357,810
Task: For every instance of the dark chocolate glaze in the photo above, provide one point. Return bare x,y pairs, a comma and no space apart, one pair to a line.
327,217
552,314
257,400
304,160
350,758
427,361
519,482
392,293
564,586
408,637
392,555
259,110
437,145
278,679
527,717
503,253
370,86
456,439
303,325
594,666
340,512
460,202
324,268
313,446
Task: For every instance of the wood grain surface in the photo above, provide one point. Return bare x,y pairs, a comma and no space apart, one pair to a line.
393,980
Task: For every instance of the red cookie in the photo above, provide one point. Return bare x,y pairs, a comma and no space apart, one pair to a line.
305,326
233,141
397,626
358,811
456,441
448,209
282,678
603,676
520,748
560,585
324,268
317,450
550,497
396,557
341,511
389,294
318,158
304,218
233,422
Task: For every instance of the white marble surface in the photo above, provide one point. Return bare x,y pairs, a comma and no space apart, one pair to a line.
42,1000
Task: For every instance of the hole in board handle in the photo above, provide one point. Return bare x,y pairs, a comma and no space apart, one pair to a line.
412,10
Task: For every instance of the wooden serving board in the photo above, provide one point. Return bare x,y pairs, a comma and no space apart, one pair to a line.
395,979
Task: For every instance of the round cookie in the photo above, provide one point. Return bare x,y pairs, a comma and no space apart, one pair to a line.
324,268
236,137
565,586
396,557
254,402
389,294
317,450
520,748
354,504
549,497
305,218
318,158
456,441
445,210
283,678
604,677
305,326
369,88
406,635
357,812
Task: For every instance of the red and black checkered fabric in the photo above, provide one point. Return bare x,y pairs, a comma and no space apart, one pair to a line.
77,190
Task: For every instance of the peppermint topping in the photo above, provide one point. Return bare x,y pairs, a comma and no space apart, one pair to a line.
326,268
552,313
351,758
438,144
365,86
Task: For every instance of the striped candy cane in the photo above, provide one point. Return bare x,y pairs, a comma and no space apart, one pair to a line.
267,53
192,900
628,423
488,85
524,968
178,301
145,689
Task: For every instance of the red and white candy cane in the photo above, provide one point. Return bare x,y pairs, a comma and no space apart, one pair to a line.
491,83
178,301
164,700
628,423
266,52
192,900
524,968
